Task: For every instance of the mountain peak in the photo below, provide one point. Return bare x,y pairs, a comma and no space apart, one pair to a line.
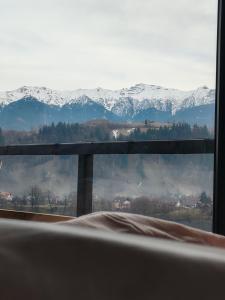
203,87
137,88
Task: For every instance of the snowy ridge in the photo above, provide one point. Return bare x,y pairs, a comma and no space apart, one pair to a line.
125,101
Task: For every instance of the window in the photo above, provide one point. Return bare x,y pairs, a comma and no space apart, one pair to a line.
100,71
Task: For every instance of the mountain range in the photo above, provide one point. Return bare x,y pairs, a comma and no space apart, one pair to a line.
31,107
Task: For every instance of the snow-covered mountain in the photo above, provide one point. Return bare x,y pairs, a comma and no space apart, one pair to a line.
138,102
142,96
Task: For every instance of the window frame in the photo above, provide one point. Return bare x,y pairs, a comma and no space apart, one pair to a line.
219,157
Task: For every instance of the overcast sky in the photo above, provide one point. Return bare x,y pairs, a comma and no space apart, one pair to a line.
69,44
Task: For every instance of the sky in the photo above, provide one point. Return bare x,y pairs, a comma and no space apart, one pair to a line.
70,44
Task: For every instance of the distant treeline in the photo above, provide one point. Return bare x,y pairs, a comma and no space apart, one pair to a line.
64,133
175,132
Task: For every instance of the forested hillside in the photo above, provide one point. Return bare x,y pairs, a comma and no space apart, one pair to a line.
103,131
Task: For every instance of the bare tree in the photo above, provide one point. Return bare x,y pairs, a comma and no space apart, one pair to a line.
36,197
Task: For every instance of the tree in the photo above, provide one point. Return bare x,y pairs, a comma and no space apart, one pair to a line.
36,197
204,199
50,197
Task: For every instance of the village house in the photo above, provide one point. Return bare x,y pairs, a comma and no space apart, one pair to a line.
6,196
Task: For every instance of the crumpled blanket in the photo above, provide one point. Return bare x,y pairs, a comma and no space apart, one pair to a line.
147,226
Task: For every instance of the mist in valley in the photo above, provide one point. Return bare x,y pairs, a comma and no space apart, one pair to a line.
114,175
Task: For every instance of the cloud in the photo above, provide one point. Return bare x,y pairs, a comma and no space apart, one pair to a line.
68,44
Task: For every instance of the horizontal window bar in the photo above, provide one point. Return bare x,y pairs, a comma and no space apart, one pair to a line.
145,147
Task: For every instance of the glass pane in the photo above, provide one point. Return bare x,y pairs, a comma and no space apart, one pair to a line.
172,187
118,69
78,71
43,184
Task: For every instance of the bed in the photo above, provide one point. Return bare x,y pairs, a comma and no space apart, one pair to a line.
76,259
